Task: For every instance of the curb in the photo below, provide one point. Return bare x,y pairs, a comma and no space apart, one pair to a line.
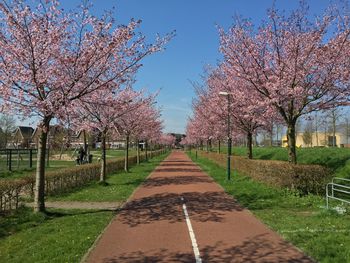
87,254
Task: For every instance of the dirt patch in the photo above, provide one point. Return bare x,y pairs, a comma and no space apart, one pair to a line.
64,157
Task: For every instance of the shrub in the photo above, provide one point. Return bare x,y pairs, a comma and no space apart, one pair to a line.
302,177
10,192
60,181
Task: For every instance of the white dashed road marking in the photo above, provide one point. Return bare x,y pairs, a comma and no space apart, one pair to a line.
191,232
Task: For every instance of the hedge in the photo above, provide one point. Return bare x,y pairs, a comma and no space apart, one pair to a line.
60,181
302,177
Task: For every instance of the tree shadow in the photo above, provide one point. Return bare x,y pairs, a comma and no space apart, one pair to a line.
267,156
177,165
259,248
57,213
152,257
203,207
178,180
177,169
176,162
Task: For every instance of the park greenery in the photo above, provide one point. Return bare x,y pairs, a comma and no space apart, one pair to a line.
290,66
56,164
74,68
13,192
65,235
336,159
78,70
303,220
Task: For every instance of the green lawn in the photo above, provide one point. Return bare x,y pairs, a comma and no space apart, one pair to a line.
60,236
110,154
118,188
337,159
66,235
322,234
58,164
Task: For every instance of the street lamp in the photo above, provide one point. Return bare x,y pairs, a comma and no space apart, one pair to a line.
229,139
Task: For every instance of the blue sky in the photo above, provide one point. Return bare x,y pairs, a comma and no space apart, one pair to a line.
195,45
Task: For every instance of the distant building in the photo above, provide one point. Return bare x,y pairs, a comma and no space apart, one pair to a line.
55,131
21,137
319,139
76,139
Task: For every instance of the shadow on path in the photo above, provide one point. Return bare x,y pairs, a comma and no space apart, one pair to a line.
256,249
177,170
207,206
178,180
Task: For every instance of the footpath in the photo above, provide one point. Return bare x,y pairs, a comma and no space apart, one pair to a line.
181,215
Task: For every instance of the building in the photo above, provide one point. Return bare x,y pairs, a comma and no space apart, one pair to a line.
57,136
21,137
319,139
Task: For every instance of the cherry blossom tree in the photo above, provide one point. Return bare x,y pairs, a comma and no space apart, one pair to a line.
133,122
149,127
296,64
167,140
208,120
102,112
50,58
153,131
248,110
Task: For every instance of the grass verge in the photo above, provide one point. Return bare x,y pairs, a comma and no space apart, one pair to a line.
118,188
24,170
66,235
337,159
59,236
322,234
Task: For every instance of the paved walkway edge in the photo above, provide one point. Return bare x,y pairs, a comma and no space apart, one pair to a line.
87,254
247,210
137,232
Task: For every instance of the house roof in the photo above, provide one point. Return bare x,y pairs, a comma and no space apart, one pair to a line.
26,131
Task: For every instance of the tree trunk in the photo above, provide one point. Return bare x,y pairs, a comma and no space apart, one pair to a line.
85,142
48,150
347,132
219,147
18,157
126,163
103,157
61,150
250,145
138,151
334,143
207,146
291,142
39,191
316,129
271,136
146,150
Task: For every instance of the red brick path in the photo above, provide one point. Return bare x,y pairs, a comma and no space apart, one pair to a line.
152,226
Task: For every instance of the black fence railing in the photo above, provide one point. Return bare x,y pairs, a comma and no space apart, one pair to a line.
17,159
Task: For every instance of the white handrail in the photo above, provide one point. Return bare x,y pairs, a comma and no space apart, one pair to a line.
337,188
341,179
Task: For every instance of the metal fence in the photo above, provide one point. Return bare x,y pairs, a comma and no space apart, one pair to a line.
17,159
338,189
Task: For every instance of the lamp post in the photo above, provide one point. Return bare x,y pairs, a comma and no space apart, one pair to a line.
229,139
